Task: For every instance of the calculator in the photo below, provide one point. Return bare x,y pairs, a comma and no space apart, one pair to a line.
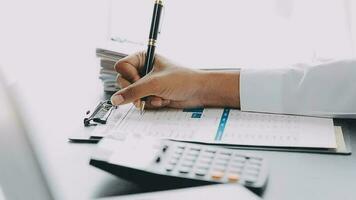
153,161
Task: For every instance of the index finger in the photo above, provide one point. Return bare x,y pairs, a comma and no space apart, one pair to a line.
130,66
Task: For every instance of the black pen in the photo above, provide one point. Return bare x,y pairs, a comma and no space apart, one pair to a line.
157,10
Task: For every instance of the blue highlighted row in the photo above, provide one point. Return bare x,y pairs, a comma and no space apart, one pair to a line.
193,110
197,115
222,124
196,112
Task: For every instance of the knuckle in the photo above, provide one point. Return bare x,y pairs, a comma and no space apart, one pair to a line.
118,65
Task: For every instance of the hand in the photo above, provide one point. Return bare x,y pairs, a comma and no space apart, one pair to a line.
169,85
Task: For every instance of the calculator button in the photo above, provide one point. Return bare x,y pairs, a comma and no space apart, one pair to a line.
207,156
176,156
165,147
200,172
223,157
190,158
179,151
235,171
251,173
238,156
248,182
217,175
253,169
184,170
254,163
169,168
239,159
173,161
187,164
203,167
181,146
257,158
250,179
193,153
237,165
194,148
206,167
206,160
233,178
210,151
226,153
221,163
219,168
206,164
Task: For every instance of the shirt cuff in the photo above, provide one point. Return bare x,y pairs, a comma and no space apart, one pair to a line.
261,90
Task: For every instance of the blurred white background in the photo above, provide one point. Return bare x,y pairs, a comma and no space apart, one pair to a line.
199,33
235,33
35,34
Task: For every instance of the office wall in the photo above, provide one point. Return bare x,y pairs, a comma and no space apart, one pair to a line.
45,31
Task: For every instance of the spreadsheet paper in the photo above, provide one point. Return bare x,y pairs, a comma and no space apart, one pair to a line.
221,126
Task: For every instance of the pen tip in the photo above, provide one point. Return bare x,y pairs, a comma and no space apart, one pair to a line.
142,107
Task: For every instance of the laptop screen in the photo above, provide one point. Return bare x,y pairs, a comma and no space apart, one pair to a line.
21,176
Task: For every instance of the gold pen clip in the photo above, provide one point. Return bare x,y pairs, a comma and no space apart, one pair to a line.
162,19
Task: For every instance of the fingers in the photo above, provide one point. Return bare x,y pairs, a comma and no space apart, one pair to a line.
122,82
154,102
146,86
130,66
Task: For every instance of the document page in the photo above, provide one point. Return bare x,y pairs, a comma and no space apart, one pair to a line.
223,126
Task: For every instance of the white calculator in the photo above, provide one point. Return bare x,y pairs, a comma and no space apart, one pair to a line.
154,162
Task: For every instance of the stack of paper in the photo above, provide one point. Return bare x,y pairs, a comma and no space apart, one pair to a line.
108,75
109,54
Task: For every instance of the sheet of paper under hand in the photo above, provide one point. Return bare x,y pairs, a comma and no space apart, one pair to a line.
223,126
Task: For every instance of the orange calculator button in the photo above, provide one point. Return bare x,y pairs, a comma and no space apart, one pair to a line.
217,175
233,178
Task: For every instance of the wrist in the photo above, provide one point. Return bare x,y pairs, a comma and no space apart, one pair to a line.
220,88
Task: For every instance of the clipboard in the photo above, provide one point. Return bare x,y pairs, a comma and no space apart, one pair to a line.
340,129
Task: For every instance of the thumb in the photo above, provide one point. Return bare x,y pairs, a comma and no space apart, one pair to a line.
141,88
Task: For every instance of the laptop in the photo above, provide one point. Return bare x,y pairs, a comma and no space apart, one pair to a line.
21,175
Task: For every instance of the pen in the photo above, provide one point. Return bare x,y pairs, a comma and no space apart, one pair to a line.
157,10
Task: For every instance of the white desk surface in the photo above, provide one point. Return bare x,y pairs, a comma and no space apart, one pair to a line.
292,175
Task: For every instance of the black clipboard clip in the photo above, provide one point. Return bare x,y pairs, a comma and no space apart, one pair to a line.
100,114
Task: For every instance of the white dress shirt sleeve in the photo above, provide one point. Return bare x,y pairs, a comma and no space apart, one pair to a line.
327,89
